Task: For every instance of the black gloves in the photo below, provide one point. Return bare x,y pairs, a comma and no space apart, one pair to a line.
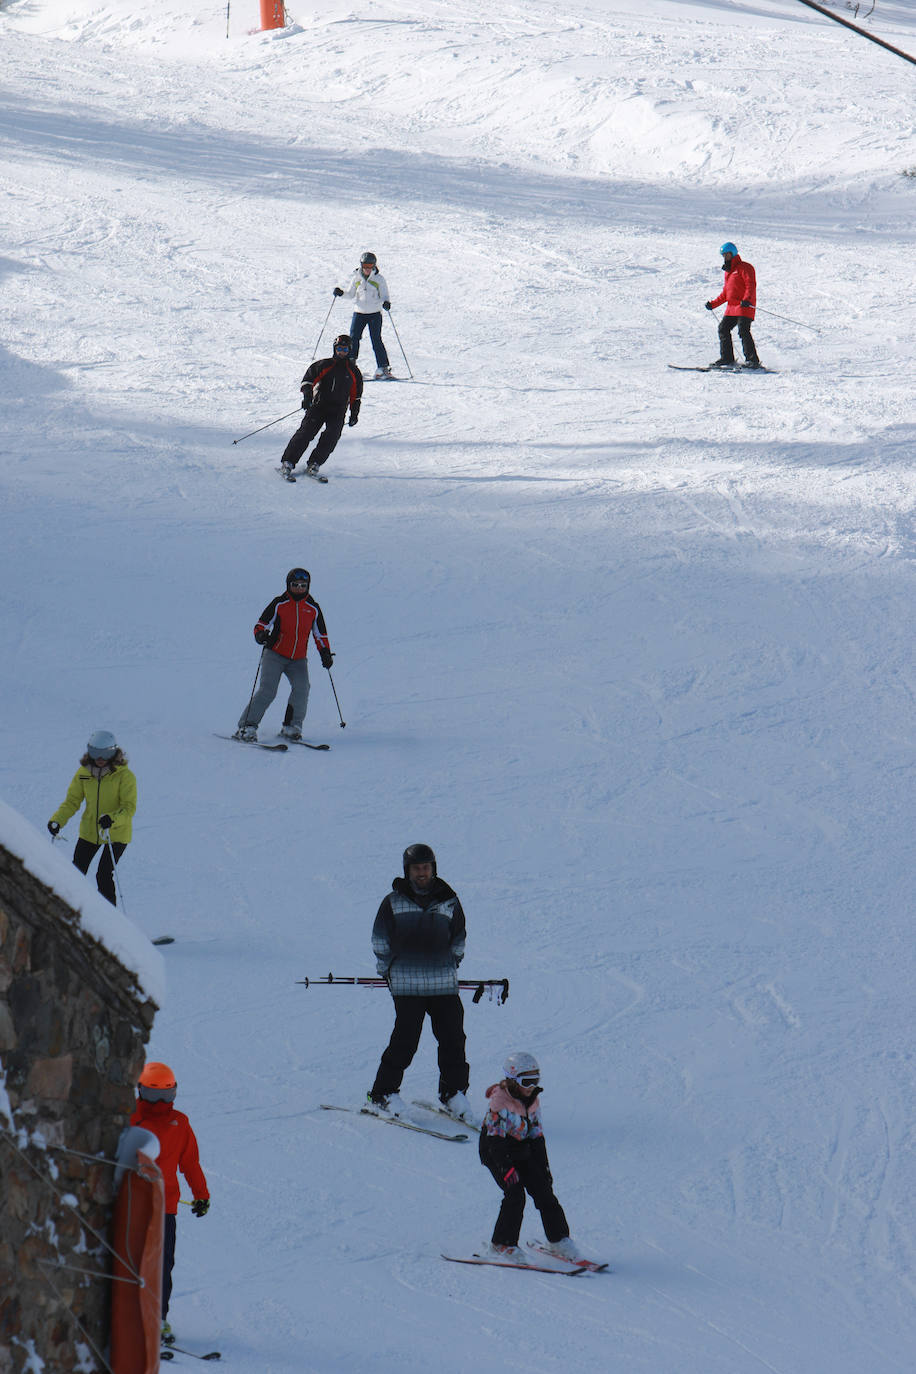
261,636
53,828
306,396
354,418
510,1178
338,291
386,305
200,1206
327,658
105,822
710,306
746,305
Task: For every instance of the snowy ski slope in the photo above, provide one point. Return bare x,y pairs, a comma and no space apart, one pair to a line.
632,649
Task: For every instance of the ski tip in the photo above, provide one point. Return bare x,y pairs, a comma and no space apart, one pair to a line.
163,940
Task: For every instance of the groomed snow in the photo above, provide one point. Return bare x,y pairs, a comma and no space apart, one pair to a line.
632,649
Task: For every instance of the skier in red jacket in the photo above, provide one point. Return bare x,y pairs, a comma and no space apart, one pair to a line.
739,294
284,630
177,1150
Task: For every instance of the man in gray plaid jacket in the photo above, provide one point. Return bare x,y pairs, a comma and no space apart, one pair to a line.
418,939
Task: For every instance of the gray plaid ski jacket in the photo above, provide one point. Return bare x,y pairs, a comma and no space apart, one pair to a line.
418,940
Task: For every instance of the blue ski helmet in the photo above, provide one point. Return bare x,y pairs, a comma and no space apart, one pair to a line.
729,248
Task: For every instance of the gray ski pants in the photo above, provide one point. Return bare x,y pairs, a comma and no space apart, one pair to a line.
273,667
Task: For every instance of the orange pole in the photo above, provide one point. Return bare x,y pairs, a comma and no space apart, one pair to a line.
273,14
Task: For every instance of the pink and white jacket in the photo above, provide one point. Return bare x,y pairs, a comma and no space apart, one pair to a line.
508,1117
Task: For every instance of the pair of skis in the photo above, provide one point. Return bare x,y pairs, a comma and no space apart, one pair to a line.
169,1351
726,367
570,1268
280,747
387,1119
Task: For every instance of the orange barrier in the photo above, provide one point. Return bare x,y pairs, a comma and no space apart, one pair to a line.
273,14
136,1289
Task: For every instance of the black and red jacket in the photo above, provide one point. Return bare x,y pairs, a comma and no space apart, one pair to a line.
291,620
333,384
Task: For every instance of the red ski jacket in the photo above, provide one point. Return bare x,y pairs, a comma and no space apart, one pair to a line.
177,1149
294,619
740,285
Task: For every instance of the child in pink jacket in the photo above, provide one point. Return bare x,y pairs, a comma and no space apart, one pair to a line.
512,1147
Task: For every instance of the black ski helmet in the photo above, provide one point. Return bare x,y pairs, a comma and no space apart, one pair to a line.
343,343
298,575
419,854
368,257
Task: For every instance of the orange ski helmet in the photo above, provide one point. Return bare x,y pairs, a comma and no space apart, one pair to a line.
157,1083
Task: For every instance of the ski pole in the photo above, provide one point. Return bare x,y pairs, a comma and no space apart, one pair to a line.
106,836
323,328
343,723
478,984
228,3
787,320
400,345
267,426
254,685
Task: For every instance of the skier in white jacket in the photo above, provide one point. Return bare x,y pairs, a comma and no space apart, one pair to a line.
370,292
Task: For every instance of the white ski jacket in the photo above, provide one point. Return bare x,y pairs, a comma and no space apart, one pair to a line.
369,292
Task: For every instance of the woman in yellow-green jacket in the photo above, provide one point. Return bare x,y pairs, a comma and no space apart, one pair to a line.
105,783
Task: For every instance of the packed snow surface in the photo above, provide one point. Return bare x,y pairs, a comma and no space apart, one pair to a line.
631,648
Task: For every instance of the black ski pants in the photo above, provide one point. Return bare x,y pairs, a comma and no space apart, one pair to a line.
316,418
168,1259
83,853
726,345
446,1015
535,1180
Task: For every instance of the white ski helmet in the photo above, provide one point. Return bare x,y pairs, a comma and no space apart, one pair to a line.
521,1067
102,745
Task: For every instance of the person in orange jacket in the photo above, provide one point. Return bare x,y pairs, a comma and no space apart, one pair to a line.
739,295
177,1150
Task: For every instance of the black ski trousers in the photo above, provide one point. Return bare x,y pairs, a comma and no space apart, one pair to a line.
535,1180
446,1015
316,417
168,1259
726,345
83,853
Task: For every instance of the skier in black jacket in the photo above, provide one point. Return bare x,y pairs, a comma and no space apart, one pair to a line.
329,386
418,940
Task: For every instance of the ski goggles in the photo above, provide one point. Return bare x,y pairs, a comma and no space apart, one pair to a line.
529,1080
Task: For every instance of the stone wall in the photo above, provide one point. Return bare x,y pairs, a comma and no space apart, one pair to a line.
73,1026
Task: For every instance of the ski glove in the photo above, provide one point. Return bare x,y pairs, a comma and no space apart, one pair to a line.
306,396
327,658
354,418
200,1206
261,636
105,822
511,1178
746,305
710,306
338,291
386,305
53,827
